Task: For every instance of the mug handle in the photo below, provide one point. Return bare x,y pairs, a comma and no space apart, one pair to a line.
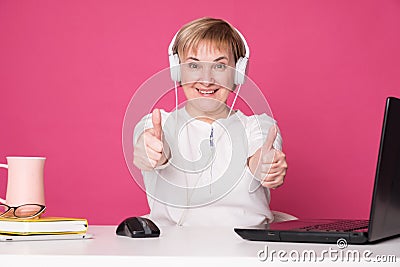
3,201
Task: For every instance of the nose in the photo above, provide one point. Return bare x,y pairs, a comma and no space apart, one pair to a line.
207,76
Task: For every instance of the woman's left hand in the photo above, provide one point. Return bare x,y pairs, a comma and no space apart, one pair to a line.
268,164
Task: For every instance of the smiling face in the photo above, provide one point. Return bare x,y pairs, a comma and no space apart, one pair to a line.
207,79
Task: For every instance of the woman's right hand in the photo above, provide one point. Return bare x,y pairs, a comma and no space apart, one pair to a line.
151,150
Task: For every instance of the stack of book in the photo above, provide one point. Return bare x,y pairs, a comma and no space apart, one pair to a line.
46,228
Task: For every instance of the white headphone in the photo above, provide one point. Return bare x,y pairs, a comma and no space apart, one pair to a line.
241,63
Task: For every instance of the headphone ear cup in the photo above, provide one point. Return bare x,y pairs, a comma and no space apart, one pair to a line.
174,67
240,72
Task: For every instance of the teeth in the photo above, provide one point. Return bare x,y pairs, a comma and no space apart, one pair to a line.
206,92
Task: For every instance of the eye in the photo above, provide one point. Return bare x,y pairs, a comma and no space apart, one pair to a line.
193,65
220,66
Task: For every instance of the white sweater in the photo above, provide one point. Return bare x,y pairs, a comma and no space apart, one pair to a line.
207,180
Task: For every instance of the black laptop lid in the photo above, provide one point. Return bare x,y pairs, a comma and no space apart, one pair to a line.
385,209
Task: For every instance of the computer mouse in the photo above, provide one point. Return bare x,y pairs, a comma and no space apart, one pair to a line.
138,227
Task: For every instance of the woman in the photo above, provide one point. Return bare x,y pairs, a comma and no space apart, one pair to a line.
206,163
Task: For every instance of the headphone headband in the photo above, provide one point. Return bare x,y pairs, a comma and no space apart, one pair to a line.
170,52
247,54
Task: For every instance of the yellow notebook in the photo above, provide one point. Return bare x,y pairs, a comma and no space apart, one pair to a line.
45,225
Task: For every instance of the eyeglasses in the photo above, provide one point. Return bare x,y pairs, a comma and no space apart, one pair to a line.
25,211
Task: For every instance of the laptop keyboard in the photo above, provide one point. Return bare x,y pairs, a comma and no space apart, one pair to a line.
341,225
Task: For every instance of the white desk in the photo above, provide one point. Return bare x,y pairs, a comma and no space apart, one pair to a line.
177,246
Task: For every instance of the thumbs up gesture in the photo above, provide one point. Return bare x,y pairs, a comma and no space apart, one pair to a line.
151,150
269,164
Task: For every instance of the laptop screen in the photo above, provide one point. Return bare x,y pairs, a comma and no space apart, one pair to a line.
385,208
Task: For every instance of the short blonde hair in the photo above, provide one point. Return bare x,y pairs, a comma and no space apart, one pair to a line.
216,32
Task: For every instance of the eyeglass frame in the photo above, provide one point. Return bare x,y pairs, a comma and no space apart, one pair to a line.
42,209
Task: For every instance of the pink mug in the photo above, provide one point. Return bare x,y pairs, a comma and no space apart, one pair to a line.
25,181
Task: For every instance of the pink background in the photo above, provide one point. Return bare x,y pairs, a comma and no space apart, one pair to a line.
68,70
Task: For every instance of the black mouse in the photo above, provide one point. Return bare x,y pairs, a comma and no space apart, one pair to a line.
138,227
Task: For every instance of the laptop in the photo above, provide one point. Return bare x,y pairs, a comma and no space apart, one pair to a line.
384,220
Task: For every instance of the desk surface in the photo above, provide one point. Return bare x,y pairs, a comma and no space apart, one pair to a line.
183,245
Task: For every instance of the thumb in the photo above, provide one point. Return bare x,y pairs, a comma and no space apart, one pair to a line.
156,119
269,141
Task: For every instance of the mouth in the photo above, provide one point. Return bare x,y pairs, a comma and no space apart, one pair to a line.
206,92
